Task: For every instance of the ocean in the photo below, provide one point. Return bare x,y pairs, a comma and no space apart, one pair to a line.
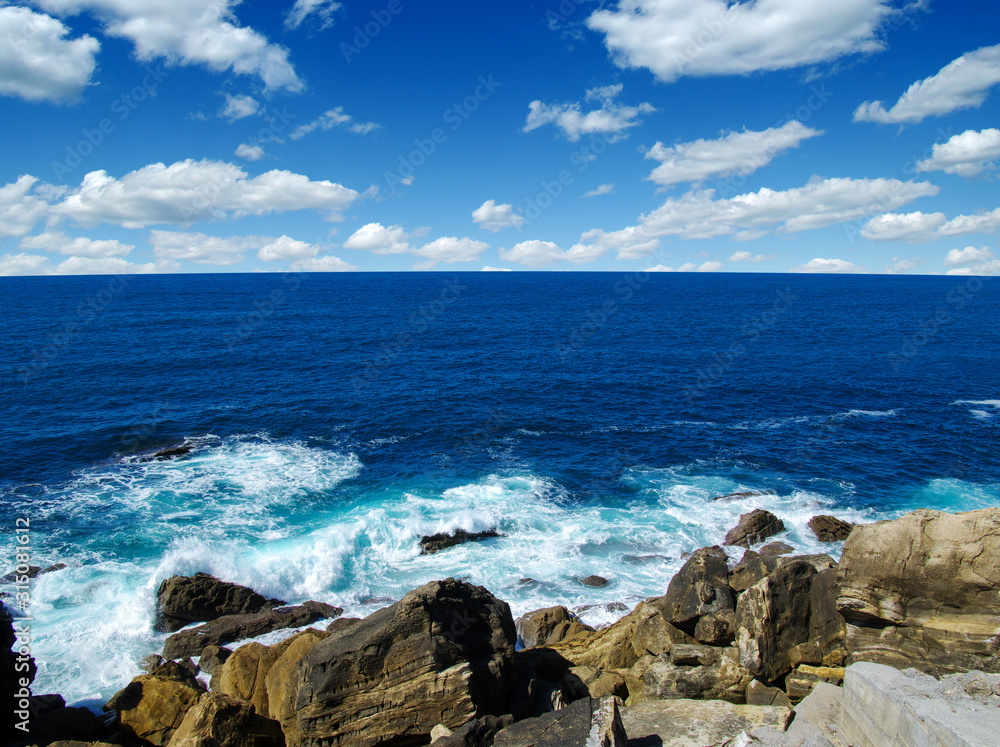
335,419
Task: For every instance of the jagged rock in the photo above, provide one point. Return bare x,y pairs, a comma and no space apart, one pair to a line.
218,720
239,627
596,723
595,581
476,733
282,683
153,705
600,683
700,588
801,681
442,654
548,626
688,655
754,527
759,694
34,571
752,568
182,600
545,679
821,562
696,723
721,678
830,528
436,542
716,629
212,657
341,623
923,591
151,662
773,616
776,548
243,675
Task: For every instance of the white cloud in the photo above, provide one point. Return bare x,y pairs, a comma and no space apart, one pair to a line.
533,253
24,264
964,224
714,266
984,268
322,9
249,152
968,154
660,268
326,263
189,191
604,189
189,32
611,119
450,249
745,256
489,268
828,265
238,107
38,62
733,153
969,255
376,238
203,249
77,246
697,215
901,265
676,38
913,228
961,84
286,249
35,264
493,217
332,118
20,209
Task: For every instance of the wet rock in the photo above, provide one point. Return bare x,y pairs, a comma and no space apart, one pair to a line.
830,528
436,542
172,452
182,600
596,581
754,527
742,495
34,571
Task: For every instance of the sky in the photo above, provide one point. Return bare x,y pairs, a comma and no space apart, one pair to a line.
180,136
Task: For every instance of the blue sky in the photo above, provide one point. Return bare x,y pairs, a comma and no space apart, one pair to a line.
680,135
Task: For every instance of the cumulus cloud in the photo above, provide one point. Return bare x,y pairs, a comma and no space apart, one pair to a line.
734,153
968,154
239,107
745,256
203,249
920,228
449,249
611,119
676,38
37,60
326,263
604,189
961,84
332,118
36,264
493,217
490,268
828,265
249,152
54,241
533,253
376,238
189,191
189,32
901,265
967,256
698,215
323,10
21,206
287,249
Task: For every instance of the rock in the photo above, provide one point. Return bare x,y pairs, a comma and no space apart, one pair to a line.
716,629
440,732
742,495
443,654
801,681
218,720
696,723
341,623
182,600
751,569
700,588
67,724
776,548
687,655
436,542
544,680
772,617
759,694
830,528
238,627
820,562
476,733
212,657
243,675
151,662
923,591
754,527
153,705
595,723
171,453
281,680
597,581
881,705
10,677
548,626
34,571
722,677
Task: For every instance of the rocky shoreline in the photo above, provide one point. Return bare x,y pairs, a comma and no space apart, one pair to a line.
777,649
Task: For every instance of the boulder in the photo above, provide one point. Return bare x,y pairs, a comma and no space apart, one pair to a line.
696,723
923,591
212,657
476,733
717,676
436,542
243,675
801,680
443,654
830,528
716,629
281,680
34,571
759,694
752,568
701,587
66,724
342,622
754,527
239,627
218,720
776,548
591,722
153,705
548,626
182,600
596,581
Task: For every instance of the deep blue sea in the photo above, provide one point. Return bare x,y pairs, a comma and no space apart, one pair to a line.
589,417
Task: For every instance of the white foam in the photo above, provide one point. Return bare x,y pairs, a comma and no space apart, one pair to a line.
985,402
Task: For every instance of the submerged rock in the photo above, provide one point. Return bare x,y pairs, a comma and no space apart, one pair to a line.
436,542
754,527
595,581
172,452
182,600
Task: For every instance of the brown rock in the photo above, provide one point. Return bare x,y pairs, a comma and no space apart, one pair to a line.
548,626
243,675
751,569
153,705
754,527
722,679
830,528
436,542
595,581
716,629
281,681
701,587
182,600
801,681
218,720
212,657
776,548
759,694
585,722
